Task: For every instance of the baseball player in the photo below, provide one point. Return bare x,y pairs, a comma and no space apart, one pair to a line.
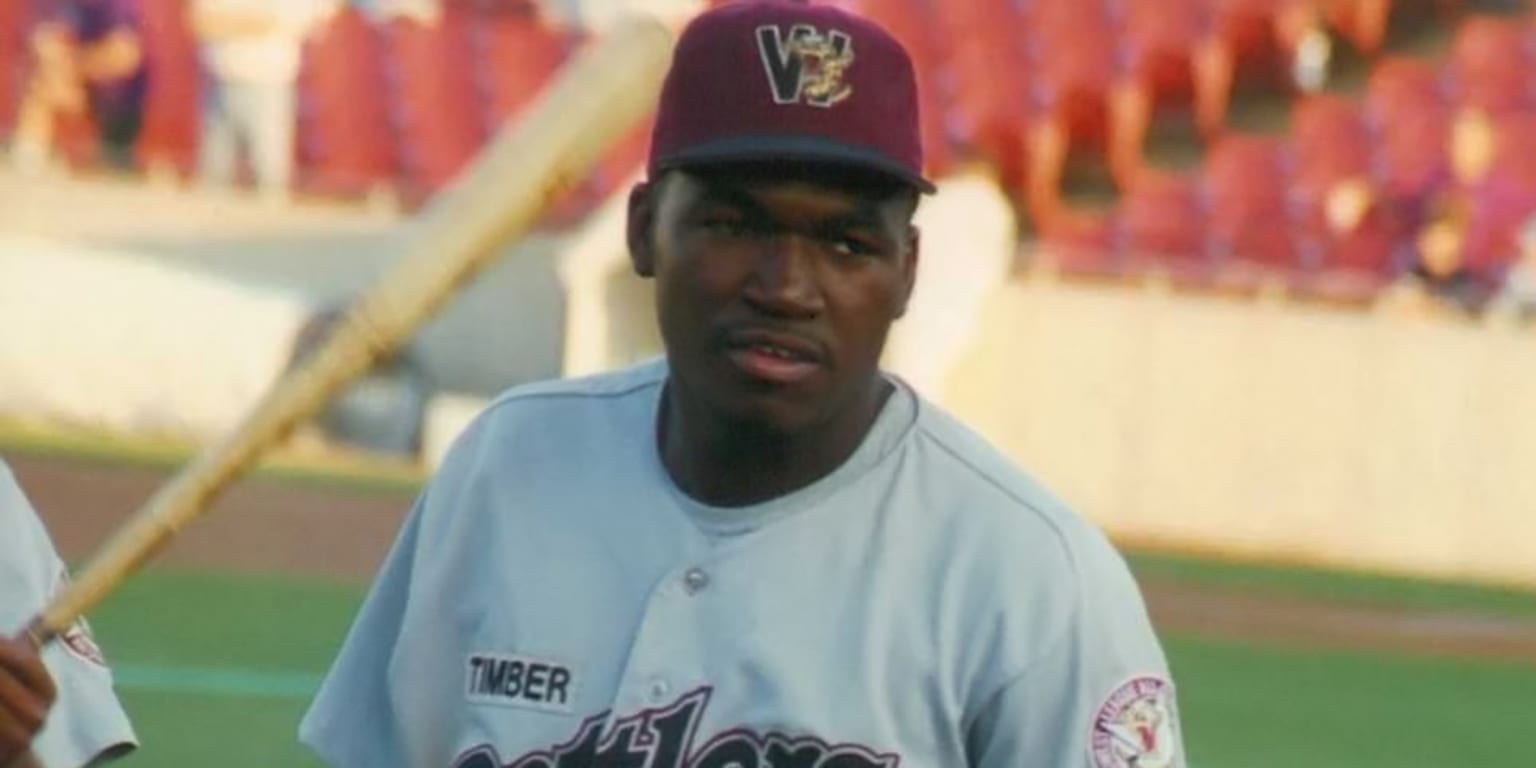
57,708
761,551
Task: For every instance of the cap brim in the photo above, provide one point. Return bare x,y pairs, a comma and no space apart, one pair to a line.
809,149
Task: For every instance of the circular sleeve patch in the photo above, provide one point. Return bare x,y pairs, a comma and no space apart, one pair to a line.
1137,726
79,642
78,637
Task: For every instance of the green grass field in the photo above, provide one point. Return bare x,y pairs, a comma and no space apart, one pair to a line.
1355,588
217,669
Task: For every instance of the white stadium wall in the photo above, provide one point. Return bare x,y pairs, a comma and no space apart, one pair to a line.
1270,430
104,339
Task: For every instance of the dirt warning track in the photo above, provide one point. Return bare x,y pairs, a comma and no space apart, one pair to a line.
303,529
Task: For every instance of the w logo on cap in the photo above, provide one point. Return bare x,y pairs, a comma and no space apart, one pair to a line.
806,66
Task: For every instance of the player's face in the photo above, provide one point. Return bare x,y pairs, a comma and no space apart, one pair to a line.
775,288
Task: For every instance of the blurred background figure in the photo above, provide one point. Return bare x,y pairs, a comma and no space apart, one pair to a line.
382,412
88,63
968,235
423,11
1440,281
1518,297
251,52
596,16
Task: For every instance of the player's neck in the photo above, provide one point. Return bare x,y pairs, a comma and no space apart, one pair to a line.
730,464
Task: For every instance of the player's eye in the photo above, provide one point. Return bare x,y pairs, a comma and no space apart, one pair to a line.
855,245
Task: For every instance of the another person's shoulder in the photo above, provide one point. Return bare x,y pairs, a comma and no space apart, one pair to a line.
16,513
28,563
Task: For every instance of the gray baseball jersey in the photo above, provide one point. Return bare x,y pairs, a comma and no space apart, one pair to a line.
86,719
554,601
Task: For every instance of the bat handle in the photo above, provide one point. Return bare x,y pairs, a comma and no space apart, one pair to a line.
38,635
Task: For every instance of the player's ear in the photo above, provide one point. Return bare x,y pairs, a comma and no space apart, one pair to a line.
640,232
909,268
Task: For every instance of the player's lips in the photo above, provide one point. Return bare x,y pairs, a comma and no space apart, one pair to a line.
772,356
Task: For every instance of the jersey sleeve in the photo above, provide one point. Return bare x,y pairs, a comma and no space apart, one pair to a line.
86,722
1100,697
353,721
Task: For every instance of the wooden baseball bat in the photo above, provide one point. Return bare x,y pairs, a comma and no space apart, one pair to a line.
592,102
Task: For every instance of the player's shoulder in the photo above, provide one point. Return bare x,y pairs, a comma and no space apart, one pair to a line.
1034,568
990,494
597,392
547,415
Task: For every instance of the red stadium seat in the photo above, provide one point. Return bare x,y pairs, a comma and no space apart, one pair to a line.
1403,82
1499,207
1070,45
1246,178
1505,199
1246,24
988,86
1347,260
1078,242
434,98
1158,39
1406,107
1261,35
518,53
1167,58
1161,223
14,21
169,137
1367,253
346,145
1492,64
1070,49
1332,146
1331,140
1513,133
1362,22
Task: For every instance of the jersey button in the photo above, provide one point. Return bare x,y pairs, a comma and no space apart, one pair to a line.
695,580
659,690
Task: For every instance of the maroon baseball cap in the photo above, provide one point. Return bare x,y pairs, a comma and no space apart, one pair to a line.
764,80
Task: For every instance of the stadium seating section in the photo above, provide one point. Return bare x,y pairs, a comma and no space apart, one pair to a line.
1328,199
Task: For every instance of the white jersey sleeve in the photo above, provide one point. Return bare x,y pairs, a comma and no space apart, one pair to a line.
1101,697
86,723
352,722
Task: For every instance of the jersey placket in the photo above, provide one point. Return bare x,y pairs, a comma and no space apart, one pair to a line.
665,660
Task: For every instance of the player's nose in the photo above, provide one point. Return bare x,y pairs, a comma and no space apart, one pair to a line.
783,281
